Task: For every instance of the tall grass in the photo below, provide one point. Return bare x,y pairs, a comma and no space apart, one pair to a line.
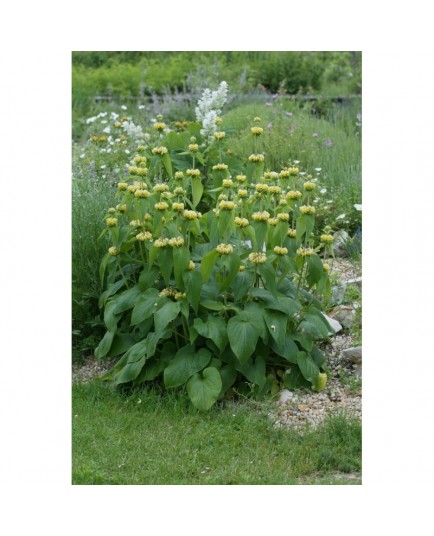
91,197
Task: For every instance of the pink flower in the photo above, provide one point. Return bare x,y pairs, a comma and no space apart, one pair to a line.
328,143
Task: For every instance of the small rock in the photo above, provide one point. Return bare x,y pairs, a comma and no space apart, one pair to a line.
285,395
338,293
353,354
341,241
344,314
357,281
358,371
334,324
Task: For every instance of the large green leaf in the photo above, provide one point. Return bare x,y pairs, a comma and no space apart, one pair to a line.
168,312
145,306
204,389
288,349
276,324
243,337
294,379
307,367
121,343
315,270
231,263
110,318
186,362
228,375
136,357
254,370
104,346
207,264
213,328
243,282
181,258
194,287
197,190
167,164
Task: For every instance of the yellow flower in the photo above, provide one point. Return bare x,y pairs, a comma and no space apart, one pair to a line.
242,268
113,251
241,178
141,193
190,214
292,233
242,193
148,217
327,238
218,120
224,249
178,206
274,189
241,222
283,216
161,242
134,170
282,201
226,205
284,173
135,223
180,295
280,251
160,187
261,216
261,187
306,209
219,135
191,266
121,208
293,194
193,147
140,159
144,236
161,206
193,172
176,242
111,222
159,150
273,221
122,186
168,292
293,171
179,175
309,186
159,126
227,183
257,258
257,120
179,191
220,167
257,131
304,252
272,175
326,266
256,158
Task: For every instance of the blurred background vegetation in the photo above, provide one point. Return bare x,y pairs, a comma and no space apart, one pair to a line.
151,75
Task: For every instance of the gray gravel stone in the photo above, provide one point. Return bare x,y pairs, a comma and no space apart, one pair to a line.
353,354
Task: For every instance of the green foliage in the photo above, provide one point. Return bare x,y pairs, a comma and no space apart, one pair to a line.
206,285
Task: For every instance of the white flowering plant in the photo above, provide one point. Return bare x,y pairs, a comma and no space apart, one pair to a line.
212,278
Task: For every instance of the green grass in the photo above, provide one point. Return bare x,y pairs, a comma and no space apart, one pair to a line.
144,438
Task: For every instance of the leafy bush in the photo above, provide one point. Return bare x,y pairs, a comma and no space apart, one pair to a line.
212,279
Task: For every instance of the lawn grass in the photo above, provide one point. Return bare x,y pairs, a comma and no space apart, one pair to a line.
144,438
